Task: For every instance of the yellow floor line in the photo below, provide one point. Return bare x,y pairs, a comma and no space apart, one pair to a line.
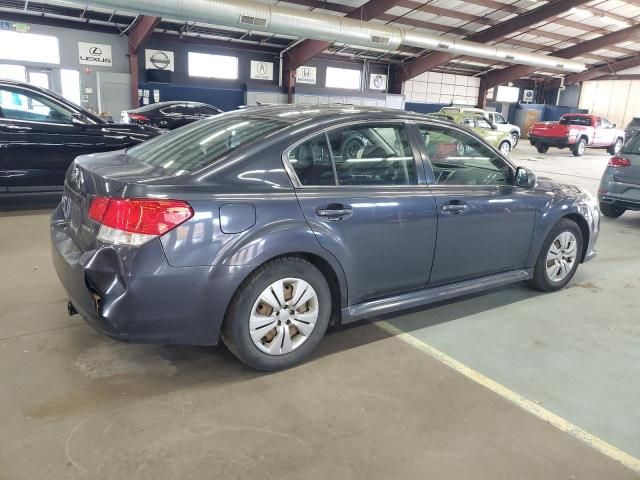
531,407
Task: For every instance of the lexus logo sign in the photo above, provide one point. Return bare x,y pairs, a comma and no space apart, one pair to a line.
261,70
95,54
159,60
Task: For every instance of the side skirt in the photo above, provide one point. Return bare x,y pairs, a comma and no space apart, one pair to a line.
432,295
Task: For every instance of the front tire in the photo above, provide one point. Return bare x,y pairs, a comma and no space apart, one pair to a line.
611,210
559,257
279,314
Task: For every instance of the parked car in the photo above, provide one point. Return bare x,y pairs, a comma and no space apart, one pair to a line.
169,115
41,133
577,132
264,225
620,185
632,128
495,118
479,123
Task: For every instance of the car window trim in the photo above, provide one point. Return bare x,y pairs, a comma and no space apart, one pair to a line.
431,179
293,176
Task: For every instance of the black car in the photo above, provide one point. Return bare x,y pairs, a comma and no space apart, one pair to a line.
633,127
41,133
169,115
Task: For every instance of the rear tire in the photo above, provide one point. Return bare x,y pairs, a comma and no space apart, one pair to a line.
565,239
515,138
615,148
273,334
542,148
611,210
580,148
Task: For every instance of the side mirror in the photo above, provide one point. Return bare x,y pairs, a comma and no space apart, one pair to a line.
79,119
525,178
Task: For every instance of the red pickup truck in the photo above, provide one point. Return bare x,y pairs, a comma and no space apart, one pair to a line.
577,132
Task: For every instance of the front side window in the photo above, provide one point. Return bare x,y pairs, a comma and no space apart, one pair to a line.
460,159
25,106
200,144
483,123
359,155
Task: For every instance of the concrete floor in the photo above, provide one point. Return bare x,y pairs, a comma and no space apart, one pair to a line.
75,404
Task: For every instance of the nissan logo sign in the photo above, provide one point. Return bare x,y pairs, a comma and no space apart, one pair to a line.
95,51
160,60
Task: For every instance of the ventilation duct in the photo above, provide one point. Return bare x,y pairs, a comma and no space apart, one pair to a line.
317,26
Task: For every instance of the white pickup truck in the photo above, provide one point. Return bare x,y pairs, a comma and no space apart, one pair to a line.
494,117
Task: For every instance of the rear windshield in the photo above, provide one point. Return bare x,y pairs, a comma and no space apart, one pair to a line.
633,145
193,147
569,120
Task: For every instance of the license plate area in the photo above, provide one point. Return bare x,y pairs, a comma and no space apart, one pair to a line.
73,207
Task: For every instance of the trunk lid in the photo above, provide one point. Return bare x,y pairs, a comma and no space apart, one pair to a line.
99,175
630,174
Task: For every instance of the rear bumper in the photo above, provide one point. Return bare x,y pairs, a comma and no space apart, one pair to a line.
621,194
558,142
134,295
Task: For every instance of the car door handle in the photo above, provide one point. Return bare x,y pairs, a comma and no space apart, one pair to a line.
454,208
334,211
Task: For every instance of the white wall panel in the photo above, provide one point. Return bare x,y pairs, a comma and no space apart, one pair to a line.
435,87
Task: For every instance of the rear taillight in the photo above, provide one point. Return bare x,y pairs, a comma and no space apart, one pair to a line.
619,162
136,117
135,221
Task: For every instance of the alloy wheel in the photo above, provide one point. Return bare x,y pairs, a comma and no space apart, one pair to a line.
562,256
505,148
284,316
582,147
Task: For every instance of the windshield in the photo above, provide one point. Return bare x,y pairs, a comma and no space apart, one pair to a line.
195,146
571,120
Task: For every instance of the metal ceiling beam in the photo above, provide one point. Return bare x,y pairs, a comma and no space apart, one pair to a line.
598,72
138,34
499,77
303,52
532,17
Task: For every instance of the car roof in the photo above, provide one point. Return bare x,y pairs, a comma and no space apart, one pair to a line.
300,114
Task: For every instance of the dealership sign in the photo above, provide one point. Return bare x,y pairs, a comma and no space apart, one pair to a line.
306,75
95,54
377,81
261,70
159,60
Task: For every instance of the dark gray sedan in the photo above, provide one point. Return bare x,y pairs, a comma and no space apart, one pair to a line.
263,226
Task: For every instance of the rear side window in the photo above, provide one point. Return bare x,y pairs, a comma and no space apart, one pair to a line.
569,120
311,161
359,155
198,145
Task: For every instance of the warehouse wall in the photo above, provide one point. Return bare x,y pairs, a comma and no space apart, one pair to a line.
68,39
617,100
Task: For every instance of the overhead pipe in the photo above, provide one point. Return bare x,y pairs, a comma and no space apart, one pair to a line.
276,19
